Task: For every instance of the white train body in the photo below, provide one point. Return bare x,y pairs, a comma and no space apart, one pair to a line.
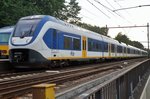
44,39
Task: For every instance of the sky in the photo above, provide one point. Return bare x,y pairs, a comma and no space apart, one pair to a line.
102,16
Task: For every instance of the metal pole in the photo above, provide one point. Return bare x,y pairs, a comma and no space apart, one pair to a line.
148,37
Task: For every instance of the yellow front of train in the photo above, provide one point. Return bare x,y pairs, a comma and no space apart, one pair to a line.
3,51
4,39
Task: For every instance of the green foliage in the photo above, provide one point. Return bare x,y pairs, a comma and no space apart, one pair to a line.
103,30
72,11
123,38
137,44
12,10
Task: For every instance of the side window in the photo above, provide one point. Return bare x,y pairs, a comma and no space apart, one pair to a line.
94,46
112,48
105,47
54,44
67,42
89,45
99,47
76,44
119,49
128,50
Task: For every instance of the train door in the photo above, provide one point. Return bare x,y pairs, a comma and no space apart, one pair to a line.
84,52
109,49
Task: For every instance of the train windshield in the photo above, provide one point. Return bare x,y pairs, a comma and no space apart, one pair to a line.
25,28
4,37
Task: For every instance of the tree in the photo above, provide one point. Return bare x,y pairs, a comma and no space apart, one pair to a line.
12,10
123,38
97,29
137,44
73,9
104,31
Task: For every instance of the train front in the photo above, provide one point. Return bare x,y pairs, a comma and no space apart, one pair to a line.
4,37
25,44
5,33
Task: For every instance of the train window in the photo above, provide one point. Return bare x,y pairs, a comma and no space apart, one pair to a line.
76,44
112,48
94,45
90,45
67,43
105,47
100,47
4,37
119,49
128,50
26,28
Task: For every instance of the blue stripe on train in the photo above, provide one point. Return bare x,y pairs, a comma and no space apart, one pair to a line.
57,42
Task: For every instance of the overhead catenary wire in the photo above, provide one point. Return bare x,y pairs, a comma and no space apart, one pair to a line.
88,17
90,12
110,4
108,9
85,16
120,6
98,9
131,7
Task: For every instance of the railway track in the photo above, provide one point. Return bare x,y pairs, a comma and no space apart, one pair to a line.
13,74
14,87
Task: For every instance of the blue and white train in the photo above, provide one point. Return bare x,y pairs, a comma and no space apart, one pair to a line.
44,40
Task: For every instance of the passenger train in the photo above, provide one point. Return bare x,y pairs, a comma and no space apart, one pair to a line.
5,33
44,40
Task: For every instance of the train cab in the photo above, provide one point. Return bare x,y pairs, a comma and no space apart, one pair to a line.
5,33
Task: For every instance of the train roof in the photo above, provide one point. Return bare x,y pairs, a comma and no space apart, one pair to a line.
6,29
90,33
123,44
108,39
33,17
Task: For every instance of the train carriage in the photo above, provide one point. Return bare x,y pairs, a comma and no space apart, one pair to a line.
44,40
5,33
